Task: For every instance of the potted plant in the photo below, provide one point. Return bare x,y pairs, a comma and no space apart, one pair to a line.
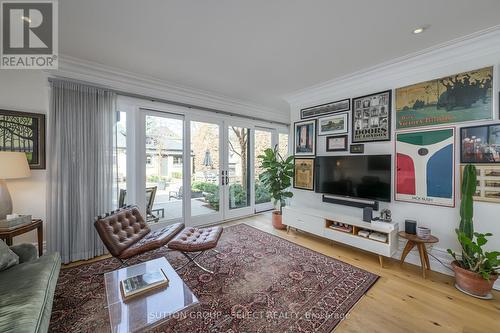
277,176
476,270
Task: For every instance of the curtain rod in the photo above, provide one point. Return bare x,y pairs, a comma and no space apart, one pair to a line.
166,101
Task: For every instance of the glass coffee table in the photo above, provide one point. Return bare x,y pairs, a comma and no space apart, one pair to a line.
150,309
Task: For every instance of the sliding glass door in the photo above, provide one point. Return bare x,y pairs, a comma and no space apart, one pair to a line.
164,165
206,205
186,165
237,172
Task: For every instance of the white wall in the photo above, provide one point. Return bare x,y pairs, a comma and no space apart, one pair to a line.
26,90
459,57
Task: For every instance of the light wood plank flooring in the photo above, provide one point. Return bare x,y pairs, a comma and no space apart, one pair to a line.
400,301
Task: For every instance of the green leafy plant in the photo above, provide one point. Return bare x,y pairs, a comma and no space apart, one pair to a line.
277,175
473,258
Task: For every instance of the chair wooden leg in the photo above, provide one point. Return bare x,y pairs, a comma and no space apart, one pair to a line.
408,247
421,250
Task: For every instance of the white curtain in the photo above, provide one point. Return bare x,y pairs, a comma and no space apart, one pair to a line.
80,187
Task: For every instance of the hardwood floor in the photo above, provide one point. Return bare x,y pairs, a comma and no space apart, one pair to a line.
400,301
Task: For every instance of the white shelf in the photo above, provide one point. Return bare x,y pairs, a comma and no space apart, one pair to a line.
317,221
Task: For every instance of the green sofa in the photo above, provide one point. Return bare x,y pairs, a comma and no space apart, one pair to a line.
27,291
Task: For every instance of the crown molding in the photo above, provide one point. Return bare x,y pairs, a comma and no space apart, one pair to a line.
433,59
133,83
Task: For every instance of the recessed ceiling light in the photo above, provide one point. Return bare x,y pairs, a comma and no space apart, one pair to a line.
419,30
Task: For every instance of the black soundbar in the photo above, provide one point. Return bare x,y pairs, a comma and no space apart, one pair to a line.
352,203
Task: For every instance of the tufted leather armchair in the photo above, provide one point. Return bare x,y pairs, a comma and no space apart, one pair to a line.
125,233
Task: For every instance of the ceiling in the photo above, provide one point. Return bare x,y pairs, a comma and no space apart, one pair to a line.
260,50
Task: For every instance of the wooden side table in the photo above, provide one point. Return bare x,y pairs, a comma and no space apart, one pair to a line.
8,234
422,250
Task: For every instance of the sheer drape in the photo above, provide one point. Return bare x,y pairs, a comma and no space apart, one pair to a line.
80,187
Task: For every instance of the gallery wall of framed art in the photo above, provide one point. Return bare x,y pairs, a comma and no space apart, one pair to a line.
425,166
372,117
305,138
457,98
304,174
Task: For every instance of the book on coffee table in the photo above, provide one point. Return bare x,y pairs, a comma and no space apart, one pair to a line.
140,284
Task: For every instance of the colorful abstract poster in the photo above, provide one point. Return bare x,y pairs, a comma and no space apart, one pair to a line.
453,99
425,163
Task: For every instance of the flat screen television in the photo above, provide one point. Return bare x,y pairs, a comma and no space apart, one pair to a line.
362,176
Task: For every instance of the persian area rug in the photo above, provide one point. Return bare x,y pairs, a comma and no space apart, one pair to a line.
262,283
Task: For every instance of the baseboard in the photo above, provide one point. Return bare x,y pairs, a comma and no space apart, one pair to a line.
436,264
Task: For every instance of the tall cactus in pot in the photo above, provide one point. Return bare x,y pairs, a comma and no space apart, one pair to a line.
469,185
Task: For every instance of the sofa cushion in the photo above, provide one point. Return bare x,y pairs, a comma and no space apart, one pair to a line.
26,295
7,257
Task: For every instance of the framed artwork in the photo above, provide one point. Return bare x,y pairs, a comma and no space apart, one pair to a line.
303,178
336,143
357,149
425,167
324,109
336,124
24,132
372,117
480,144
305,138
488,182
452,99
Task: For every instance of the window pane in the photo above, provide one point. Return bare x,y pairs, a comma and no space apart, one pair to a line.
239,178
164,168
283,144
263,141
120,159
206,168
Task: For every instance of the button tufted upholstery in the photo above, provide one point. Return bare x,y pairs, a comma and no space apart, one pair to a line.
125,233
196,239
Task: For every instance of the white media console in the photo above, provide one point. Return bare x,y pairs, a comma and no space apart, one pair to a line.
322,223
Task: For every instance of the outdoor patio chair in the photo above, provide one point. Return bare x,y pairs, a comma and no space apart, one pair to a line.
150,199
176,194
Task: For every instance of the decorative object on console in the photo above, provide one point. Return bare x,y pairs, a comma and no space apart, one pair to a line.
357,149
379,237
304,174
13,165
477,270
411,227
367,214
423,232
24,132
305,138
385,215
324,109
480,144
372,117
336,124
425,167
453,99
277,176
488,182
336,143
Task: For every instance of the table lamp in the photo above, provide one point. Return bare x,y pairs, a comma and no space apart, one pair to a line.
12,166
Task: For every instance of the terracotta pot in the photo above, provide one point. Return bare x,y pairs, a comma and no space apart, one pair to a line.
473,282
277,220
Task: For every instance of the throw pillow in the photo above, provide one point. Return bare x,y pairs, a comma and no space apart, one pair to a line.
7,257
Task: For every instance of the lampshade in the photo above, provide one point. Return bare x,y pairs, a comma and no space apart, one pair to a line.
13,165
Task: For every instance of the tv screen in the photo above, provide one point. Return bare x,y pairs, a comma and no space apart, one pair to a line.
365,177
